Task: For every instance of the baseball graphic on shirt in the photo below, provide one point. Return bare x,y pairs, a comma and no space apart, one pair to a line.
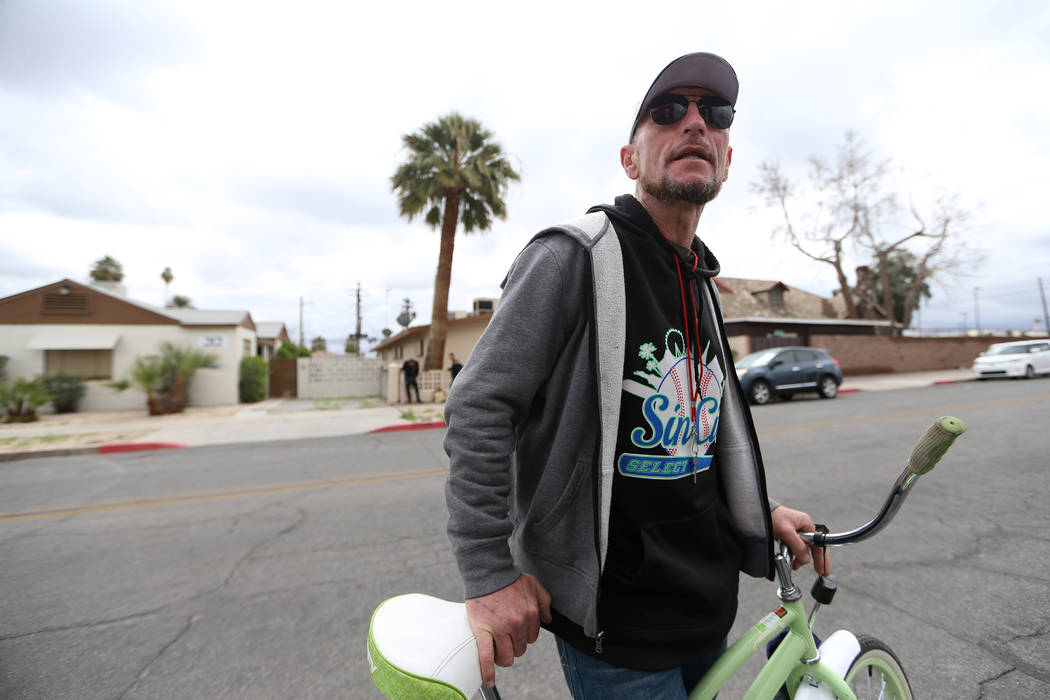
667,417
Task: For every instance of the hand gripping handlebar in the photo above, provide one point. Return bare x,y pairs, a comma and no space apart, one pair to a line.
924,456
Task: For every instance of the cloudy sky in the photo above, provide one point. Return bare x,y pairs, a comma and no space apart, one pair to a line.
249,145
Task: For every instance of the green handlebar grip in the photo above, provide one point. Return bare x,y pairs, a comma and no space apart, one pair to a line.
934,443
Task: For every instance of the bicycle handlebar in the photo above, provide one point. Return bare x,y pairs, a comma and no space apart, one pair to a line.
934,443
931,446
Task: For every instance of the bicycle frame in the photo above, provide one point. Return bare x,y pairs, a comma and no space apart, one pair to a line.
795,658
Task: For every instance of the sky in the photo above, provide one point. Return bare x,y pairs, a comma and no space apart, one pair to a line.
249,146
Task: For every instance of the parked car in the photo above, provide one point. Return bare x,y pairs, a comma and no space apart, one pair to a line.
785,372
1021,358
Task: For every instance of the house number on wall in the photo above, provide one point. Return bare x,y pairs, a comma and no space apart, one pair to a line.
212,341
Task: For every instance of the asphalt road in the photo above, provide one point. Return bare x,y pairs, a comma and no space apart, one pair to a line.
251,571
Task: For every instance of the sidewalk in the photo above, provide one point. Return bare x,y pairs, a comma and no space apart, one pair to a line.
274,419
281,419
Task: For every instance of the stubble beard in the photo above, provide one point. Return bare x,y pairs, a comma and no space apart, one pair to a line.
698,191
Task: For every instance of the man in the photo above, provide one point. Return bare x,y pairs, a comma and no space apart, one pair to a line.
454,367
605,474
411,369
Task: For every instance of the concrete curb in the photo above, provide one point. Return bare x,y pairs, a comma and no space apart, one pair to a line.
113,448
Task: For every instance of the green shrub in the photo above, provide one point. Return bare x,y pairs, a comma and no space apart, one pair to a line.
164,379
252,384
66,390
288,351
20,399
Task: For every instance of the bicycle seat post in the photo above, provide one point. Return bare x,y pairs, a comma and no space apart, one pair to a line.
489,693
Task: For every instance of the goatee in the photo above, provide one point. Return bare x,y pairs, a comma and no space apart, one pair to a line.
690,192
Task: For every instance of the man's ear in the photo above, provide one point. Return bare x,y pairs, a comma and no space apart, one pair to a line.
729,161
627,160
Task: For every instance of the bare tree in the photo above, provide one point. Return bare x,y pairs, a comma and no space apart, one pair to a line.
849,204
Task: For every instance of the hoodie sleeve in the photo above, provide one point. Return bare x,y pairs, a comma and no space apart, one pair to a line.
492,397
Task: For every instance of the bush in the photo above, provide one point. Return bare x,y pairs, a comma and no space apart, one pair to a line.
288,351
164,379
66,390
21,398
252,384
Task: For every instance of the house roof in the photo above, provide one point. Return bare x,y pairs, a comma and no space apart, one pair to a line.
751,298
271,329
413,331
118,309
207,317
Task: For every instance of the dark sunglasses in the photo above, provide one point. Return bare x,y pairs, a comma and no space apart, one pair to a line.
668,109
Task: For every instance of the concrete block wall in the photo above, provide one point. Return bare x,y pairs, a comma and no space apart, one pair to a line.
866,354
339,376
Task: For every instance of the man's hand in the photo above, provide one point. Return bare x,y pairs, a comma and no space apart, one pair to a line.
506,621
787,523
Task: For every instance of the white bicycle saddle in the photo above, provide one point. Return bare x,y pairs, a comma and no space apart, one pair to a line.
422,647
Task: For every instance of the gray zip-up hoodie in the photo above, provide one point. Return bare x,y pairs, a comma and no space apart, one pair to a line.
532,424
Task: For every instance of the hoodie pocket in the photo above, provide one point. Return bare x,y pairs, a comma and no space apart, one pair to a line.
550,510
688,571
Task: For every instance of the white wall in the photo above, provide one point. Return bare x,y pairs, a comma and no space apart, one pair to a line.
338,376
210,387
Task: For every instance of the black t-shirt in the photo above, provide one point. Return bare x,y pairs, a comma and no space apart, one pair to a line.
669,586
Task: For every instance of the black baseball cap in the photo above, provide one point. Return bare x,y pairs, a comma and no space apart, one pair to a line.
701,69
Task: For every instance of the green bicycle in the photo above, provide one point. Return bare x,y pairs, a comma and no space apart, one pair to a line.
421,647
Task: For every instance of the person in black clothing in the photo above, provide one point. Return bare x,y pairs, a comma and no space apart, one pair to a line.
453,366
411,370
640,588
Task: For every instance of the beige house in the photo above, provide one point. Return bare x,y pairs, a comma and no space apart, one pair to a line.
463,335
269,336
98,334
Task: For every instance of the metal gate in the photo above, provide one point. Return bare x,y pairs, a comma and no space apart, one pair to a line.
284,374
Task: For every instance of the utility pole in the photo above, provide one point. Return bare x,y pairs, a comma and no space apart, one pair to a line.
302,339
1042,295
976,315
357,333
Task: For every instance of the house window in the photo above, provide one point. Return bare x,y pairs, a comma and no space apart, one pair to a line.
776,296
420,347
90,364
247,347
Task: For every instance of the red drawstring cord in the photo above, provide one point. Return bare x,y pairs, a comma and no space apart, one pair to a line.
693,394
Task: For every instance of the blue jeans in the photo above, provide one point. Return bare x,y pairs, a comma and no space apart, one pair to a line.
591,679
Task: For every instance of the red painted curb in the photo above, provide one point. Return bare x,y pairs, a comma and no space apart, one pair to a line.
946,381
849,391
138,447
410,426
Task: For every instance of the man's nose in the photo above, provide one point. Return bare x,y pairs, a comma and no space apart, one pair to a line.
692,118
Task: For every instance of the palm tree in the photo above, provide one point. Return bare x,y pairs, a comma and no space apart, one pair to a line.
165,378
452,164
167,276
179,302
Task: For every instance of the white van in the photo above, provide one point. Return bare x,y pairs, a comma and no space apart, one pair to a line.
1022,358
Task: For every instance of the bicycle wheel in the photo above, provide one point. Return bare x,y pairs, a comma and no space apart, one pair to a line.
877,672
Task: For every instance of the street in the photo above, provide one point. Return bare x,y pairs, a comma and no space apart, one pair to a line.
251,571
